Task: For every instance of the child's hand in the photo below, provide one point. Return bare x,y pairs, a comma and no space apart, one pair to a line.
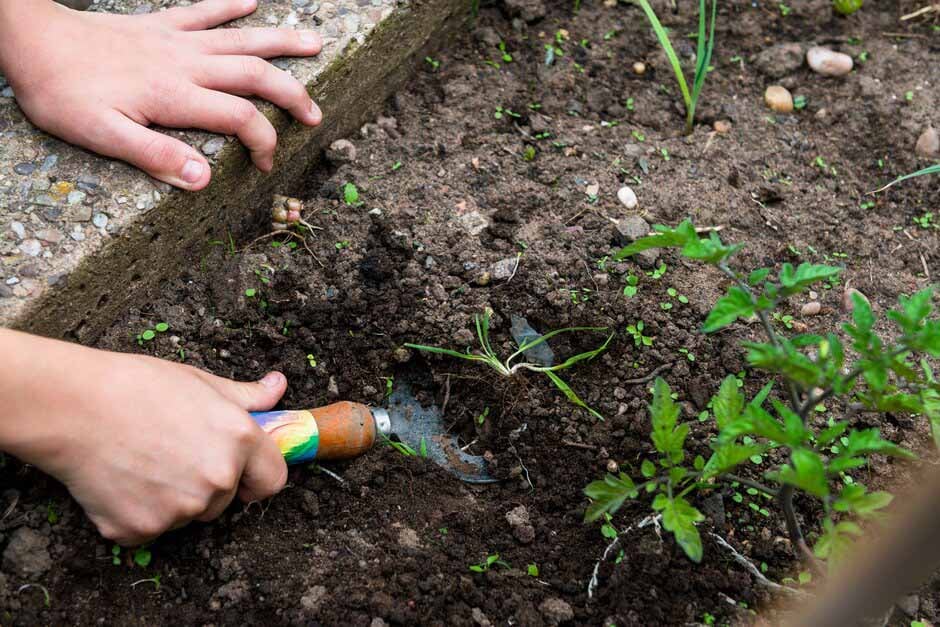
143,445
98,80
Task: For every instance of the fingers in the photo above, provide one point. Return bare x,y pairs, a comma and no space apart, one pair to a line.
208,13
162,157
265,473
247,75
250,396
224,113
261,42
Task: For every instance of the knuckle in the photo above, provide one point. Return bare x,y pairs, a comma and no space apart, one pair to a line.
191,508
221,480
254,69
237,38
242,113
158,154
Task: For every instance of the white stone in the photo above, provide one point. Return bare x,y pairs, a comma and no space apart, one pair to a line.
18,228
31,247
628,197
828,62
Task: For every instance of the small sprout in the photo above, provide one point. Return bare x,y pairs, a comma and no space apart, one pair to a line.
532,570
142,557
51,514
341,244
636,332
351,194
637,135
805,577
148,335
116,555
664,153
784,9
630,104
490,561
250,292
507,58
909,96
482,417
631,289
799,102
529,153
161,327
396,166
434,64
311,360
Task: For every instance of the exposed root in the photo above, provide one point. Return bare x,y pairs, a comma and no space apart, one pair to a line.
650,376
646,522
755,572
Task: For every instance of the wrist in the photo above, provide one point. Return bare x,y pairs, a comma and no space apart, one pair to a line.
20,21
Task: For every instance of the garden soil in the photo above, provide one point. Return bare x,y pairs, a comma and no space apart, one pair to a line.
491,182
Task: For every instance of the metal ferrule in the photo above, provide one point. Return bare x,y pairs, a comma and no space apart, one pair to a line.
383,422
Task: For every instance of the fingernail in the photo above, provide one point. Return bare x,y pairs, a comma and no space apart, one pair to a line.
316,113
309,38
272,380
192,171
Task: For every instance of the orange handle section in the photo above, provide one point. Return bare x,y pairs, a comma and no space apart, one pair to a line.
347,430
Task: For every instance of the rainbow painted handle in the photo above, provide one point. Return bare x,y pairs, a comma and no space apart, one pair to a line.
338,431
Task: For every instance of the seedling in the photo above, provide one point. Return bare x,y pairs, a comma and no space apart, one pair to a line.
529,153
847,7
434,64
799,102
636,332
116,555
490,561
341,244
142,557
311,360
500,112
507,368
507,58
813,369
925,221
351,195
482,417
251,292
909,96
784,9
703,55
631,289
155,580
149,334
396,166
532,570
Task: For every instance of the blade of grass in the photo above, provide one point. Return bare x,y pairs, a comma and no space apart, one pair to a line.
934,169
703,58
569,393
527,345
663,38
483,333
579,357
447,351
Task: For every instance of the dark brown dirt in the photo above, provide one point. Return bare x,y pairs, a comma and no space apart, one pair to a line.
394,542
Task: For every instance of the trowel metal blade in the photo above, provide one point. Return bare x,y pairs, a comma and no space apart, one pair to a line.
412,423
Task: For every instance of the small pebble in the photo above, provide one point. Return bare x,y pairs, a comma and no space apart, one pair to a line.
49,163
639,68
18,228
779,99
213,146
24,168
75,197
341,151
722,126
100,220
847,301
928,144
811,308
628,197
827,62
612,466
31,247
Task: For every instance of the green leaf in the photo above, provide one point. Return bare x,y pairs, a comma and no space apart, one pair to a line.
735,304
806,274
728,403
829,435
608,495
148,335
532,570
350,194
856,499
161,327
664,238
648,469
933,169
835,544
680,517
446,351
142,557
805,471
668,438
728,456
796,433
569,393
758,276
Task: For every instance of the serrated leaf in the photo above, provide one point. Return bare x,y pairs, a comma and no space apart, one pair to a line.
796,433
728,403
679,517
835,544
728,456
805,471
665,238
757,276
793,281
829,435
735,304
668,438
608,495
856,499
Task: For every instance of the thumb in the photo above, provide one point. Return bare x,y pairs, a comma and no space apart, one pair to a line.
265,472
250,396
